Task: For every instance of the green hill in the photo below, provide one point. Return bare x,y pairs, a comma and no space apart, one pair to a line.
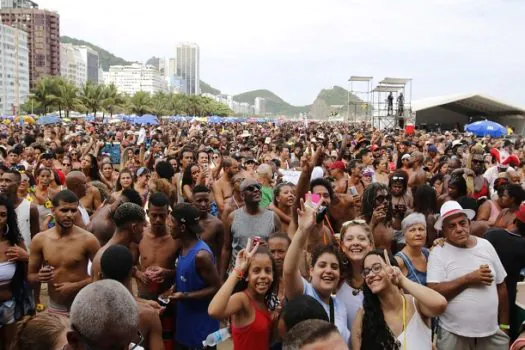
274,104
105,58
208,89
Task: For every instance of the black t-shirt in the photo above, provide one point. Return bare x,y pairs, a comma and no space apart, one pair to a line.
511,251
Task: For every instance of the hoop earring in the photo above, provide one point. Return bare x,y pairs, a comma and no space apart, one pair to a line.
6,230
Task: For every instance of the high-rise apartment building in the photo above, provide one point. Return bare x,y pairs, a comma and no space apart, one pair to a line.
14,69
90,56
72,65
260,106
188,66
135,77
20,4
43,38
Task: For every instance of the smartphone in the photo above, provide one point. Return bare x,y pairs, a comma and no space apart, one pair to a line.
353,191
321,213
316,198
45,264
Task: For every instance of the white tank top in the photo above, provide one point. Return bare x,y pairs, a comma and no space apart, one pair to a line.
22,216
418,334
84,214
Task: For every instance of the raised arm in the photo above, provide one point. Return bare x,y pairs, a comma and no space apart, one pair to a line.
223,304
429,302
293,282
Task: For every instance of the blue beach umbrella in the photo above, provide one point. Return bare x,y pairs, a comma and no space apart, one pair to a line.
486,127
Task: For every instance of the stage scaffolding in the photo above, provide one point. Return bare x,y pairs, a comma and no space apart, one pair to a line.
361,87
389,117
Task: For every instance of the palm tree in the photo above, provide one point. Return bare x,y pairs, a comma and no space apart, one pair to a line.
112,99
43,93
140,103
159,103
67,97
91,97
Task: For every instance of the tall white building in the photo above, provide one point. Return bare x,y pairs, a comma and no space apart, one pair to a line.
135,77
14,69
260,106
72,65
18,4
90,57
188,66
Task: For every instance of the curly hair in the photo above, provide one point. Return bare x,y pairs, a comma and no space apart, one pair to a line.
94,174
128,213
375,333
271,295
368,203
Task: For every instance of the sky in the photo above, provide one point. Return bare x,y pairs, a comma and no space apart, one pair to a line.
295,48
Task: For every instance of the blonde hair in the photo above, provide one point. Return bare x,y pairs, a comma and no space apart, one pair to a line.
40,332
360,223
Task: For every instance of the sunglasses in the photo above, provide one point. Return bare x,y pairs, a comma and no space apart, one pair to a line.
66,164
382,198
253,188
398,178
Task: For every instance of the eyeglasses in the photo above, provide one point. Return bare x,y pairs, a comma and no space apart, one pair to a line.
376,268
382,198
66,164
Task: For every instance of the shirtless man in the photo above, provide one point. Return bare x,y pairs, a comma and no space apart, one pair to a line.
418,175
60,255
235,201
213,234
92,200
76,182
117,264
130,220
186,158
337,171
157,250
223,188
101,223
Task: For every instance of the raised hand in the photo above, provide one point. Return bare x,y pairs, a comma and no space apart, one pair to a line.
306,213
393,272
244,257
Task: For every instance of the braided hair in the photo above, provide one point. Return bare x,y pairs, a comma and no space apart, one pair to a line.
369,201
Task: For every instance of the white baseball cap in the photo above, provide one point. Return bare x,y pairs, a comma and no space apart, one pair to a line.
450,208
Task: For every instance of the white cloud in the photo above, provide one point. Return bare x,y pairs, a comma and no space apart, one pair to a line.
296,48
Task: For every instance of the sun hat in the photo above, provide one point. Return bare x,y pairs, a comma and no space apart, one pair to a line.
450,208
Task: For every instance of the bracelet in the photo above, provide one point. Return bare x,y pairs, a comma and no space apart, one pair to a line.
504,326
239,273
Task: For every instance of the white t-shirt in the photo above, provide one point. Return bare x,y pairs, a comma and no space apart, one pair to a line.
352,302
472,313
339,310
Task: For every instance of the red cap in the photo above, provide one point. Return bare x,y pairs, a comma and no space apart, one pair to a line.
520,214
337,165
512,160
374,147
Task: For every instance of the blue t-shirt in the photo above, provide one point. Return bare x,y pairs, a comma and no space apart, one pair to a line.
192,323
339,310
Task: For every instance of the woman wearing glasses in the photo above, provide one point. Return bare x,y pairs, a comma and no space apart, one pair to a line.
356,242
391,319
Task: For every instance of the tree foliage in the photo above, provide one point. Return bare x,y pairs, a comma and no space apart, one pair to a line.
54,93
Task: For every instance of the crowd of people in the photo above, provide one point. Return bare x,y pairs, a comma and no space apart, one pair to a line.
280,236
